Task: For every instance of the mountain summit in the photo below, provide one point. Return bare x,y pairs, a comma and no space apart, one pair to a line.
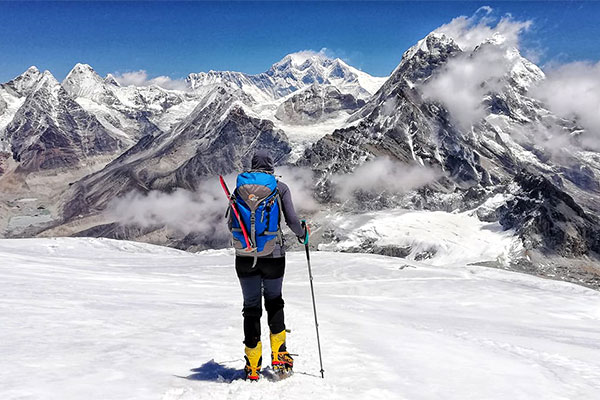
295,71
84,82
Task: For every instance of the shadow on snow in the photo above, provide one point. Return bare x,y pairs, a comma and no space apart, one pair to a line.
215,372
212,371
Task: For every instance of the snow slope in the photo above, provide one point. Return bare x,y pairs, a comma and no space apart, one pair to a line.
104,319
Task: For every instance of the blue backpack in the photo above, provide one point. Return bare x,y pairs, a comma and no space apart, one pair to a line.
257,200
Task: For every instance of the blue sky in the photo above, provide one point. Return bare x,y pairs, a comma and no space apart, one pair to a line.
175,39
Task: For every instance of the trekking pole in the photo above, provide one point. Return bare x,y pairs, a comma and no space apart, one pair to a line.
312,292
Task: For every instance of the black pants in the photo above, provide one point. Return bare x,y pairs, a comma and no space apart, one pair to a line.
265,279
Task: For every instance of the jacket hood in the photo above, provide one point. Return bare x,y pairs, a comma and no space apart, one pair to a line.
262,161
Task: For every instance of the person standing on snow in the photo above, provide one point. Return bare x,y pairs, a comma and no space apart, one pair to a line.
261,200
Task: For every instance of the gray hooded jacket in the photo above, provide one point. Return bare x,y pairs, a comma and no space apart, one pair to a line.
262,161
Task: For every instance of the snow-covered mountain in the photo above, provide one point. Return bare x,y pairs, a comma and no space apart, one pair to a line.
124,320
128,113
84,82
166,138
295,71
12,96
49,130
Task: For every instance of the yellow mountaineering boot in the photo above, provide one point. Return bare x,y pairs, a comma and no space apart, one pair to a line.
280,358
253,361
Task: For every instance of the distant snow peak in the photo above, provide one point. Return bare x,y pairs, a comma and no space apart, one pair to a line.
293,72
84,82
47,80
81,75
82,69
433,43
110,80
25,82
471,31
299,58
33,70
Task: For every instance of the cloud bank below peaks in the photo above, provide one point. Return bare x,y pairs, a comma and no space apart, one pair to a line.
383,175
140,78
182,210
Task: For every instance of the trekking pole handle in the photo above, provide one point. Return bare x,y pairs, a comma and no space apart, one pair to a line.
306,232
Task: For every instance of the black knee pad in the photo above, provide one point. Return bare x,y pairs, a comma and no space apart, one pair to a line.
273,305
249,312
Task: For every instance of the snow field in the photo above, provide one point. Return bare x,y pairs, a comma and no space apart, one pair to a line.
104,319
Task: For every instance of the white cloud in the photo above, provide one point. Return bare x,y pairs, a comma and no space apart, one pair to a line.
300,57
140,78
550,140
182,210
573,91
383,175
468,32
462,83
301,182
202,211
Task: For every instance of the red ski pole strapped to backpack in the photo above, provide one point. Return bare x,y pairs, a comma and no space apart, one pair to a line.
236,213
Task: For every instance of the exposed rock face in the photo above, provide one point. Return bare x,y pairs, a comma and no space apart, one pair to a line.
50,130
3,162
317,103
3,106
12,95
399,123
549,219
395,120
